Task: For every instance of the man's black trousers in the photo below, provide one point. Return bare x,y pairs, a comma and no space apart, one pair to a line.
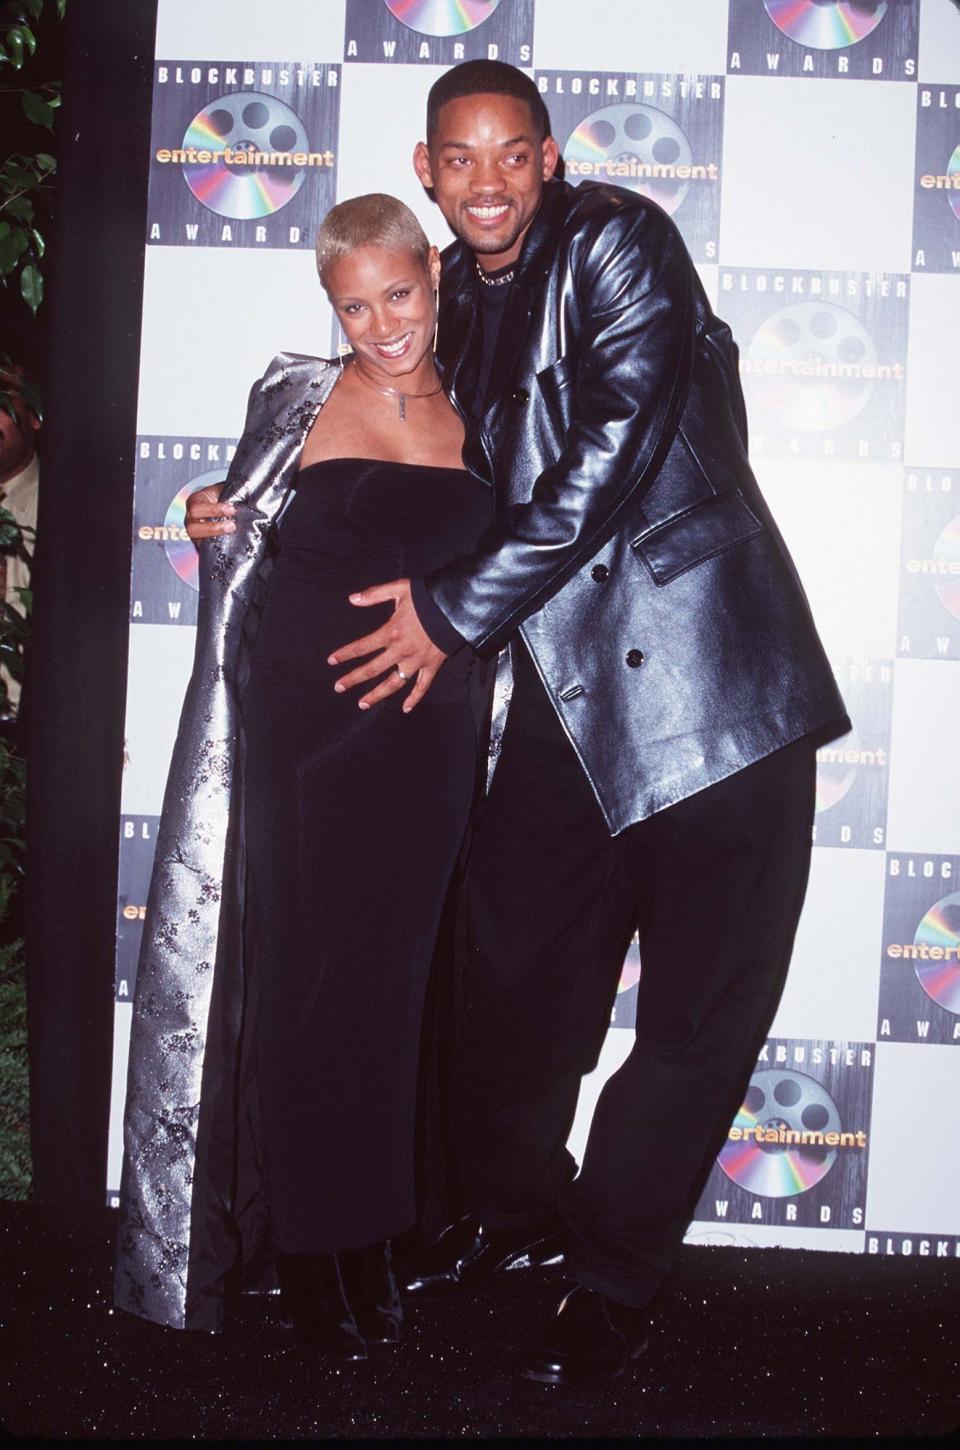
714,885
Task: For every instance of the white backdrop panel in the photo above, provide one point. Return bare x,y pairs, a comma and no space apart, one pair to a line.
375,156
208,29
805,183
123,1016
924,800
639,35
212,320
832,985
841,522
932,438
708,272
914,1132
615,1050
158,667
939,42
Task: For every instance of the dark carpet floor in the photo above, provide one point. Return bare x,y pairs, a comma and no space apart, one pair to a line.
758,1344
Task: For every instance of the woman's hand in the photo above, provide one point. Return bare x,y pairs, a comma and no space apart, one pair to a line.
207,516
402,644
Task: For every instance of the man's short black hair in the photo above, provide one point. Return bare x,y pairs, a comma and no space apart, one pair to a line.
485,77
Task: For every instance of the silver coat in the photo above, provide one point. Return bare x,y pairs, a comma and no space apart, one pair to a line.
185,1203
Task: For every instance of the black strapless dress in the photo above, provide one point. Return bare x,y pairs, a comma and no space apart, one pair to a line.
353,823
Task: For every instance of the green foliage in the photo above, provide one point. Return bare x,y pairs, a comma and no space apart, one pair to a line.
26,178
30,394
15,1166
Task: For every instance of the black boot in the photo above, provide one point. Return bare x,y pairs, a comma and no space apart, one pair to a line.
468,1255
313,1304
371,1291
590,1338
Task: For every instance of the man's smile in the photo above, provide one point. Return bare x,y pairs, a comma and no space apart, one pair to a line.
487,211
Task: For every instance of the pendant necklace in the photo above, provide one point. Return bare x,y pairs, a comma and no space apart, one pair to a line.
397,393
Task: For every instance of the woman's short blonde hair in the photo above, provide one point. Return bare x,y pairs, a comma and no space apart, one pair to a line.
374,220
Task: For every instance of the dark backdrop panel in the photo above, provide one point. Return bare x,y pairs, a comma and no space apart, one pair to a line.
74,706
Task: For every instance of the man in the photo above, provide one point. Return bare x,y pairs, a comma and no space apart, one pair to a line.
656,771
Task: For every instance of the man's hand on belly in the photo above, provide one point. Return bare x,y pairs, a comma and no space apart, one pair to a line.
402,644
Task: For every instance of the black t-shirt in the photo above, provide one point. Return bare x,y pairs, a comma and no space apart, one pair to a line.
493,302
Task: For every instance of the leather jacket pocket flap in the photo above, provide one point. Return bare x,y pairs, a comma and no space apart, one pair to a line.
690,538
552,381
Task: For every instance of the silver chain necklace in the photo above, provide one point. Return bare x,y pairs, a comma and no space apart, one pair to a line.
494,281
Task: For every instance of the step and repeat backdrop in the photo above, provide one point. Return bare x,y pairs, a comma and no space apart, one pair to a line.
810,154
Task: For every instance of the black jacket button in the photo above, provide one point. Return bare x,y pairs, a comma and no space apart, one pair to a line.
521,396
600,573
634,658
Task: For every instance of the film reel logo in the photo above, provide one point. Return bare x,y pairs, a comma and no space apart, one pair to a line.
778,1146
180,550
441,17
939,929
812,366
826,24
254,150
636,146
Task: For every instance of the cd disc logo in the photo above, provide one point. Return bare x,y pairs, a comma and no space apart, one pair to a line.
180,550
824,25
940,928
953,167
835,773
441,17
811,366
252,140
780,1149
635,146
946,553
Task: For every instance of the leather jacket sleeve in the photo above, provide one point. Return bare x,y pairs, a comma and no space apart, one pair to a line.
630,357
435,623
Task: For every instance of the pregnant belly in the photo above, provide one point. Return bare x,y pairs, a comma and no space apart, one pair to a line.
307,614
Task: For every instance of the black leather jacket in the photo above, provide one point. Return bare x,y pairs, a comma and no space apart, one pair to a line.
631,545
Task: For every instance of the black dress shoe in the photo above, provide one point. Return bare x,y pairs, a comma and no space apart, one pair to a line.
371,1292
314,1306
590,1338
468,1255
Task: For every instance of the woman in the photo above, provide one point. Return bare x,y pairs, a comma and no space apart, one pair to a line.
272,1090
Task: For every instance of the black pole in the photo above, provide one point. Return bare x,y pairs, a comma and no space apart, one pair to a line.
74,701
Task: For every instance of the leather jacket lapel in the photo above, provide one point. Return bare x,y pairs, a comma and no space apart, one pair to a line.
459,340
459,346
528,279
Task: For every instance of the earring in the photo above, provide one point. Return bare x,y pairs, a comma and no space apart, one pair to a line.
343,350
436,325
